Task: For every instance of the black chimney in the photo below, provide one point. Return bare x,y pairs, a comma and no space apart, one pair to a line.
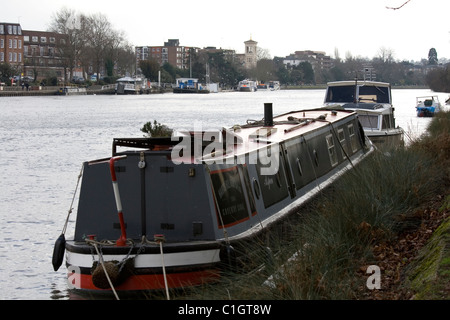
268,115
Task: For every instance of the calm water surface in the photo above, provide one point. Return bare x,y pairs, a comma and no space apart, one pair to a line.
45,140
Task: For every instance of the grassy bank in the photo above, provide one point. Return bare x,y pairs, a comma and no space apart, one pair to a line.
381,215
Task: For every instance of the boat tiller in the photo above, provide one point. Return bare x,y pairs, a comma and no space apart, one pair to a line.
123,237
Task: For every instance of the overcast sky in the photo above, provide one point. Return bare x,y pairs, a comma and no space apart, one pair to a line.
360,27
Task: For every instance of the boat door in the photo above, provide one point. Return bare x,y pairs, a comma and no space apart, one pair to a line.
277,183
284,162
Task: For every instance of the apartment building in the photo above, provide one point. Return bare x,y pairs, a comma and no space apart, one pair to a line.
41,53
11,44
33,54
171,52
179,56
317,59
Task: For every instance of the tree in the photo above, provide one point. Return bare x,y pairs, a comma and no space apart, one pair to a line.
92,43
439,79
386,55
149,68
73,26
6,72
102,40
432,57
156,129
265,70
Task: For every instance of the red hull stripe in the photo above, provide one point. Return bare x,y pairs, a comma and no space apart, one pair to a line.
149,281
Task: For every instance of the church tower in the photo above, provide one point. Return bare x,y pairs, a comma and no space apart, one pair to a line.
250,54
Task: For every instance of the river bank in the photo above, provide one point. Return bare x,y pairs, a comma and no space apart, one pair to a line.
382,232
95,90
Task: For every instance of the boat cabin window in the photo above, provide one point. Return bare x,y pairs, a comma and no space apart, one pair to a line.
353,138
368,121
374,94
366,94
340,94
428,103
332,150
388,122
342,142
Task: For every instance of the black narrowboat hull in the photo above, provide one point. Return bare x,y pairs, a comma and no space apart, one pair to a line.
167,212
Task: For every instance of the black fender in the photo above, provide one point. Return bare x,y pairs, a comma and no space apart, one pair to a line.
58,252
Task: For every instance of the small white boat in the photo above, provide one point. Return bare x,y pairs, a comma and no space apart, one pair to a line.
274,85
427,106
247,86
129,85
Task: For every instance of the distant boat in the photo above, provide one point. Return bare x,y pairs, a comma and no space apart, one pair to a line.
247,86
129,85
427,106
373,102
262,86
189,85
274,85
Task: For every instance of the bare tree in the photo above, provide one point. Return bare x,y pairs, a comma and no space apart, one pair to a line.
386,55
100,40
72,25
90,42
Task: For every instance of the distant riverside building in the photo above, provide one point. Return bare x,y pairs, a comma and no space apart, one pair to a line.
171,52
41,54
32,53
317,59
249,58
11,44
179,56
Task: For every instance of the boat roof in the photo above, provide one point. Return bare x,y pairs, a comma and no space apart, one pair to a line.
245,138
128,79
187,79
428,97
360,83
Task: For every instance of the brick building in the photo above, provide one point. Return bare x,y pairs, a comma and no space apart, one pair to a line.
11,44
317,59
171,52
33,54
42,57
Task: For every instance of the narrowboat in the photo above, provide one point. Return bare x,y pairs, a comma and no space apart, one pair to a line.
373,102
167,213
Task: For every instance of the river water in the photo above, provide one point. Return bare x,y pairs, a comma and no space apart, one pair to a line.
45,140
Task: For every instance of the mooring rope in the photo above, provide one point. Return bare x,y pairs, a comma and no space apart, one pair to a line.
73,199
100,259
160,240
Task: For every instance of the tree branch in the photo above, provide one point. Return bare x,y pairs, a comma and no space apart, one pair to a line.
398,7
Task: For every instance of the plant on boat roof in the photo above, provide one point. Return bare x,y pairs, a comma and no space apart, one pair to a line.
156,129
